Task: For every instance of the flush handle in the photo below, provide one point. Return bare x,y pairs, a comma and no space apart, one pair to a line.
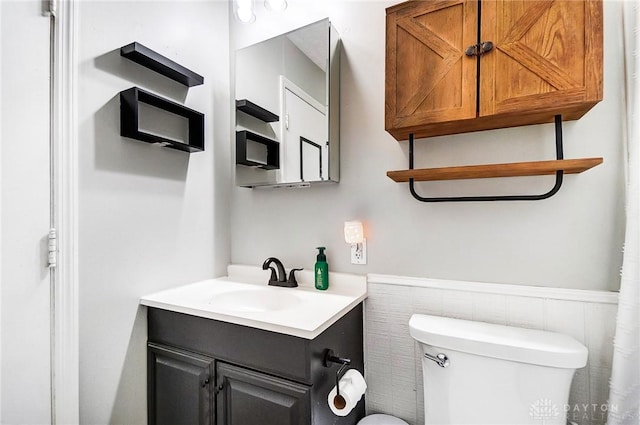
441,359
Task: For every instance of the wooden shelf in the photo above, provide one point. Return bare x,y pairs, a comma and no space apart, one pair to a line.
514,169
160,64
256,111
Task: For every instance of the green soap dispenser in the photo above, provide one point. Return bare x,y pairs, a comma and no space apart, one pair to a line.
321,270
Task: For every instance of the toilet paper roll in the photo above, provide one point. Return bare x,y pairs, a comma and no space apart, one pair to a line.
352,387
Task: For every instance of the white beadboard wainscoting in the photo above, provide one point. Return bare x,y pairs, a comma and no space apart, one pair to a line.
393,366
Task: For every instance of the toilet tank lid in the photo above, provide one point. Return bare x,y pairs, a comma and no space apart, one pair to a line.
499,341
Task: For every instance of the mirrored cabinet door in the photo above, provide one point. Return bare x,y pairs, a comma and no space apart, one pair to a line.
287,109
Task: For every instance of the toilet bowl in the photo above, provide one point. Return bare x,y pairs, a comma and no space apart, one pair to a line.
481,373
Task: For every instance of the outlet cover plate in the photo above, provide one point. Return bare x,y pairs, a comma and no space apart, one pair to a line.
359,256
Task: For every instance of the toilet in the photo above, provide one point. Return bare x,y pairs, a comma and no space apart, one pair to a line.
482,373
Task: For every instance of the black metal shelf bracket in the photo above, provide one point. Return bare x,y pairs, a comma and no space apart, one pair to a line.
550,193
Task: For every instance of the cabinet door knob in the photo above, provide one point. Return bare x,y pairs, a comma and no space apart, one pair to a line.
479,49
205,382
485,47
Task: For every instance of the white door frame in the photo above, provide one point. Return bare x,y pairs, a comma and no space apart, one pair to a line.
65,403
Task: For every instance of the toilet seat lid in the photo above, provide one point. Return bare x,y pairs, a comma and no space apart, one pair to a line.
379,419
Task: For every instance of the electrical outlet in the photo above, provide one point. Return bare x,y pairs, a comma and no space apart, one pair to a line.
359,253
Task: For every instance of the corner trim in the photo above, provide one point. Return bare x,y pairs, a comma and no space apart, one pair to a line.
65,350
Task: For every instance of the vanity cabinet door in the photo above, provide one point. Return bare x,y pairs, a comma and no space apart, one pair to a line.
246,397
180,387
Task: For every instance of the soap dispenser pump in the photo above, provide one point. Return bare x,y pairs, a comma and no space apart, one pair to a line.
321,270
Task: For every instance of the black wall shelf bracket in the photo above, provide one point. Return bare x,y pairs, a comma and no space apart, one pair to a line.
129,120
160,64
550,193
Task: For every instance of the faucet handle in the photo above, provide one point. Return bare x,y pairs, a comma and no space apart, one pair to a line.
292,277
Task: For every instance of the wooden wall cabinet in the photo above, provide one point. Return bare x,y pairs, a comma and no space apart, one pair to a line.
546,60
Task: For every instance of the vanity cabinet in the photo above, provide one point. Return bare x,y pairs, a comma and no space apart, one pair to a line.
204,371
544,59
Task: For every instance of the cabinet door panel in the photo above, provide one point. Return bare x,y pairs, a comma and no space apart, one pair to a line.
179,387
251,398
428,77
546,55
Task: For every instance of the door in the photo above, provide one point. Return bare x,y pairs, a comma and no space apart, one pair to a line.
180,387
304,153
428,77
25,373
546,55
247,397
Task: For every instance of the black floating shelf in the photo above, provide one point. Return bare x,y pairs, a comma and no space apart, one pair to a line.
160,64
273,150
129,100
254,110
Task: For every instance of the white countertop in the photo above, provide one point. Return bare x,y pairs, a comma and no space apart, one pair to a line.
244,298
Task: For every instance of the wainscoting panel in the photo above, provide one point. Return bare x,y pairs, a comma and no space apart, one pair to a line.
393,366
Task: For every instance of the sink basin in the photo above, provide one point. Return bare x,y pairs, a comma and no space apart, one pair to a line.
255,300
244,298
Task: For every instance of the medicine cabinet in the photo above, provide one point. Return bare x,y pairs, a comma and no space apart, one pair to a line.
287,109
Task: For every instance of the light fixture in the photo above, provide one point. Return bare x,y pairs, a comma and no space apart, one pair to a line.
243,11
354,235
275,5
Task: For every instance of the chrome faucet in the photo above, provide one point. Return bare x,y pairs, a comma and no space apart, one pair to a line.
279,278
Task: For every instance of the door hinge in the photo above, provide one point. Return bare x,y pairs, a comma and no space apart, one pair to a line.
49,7
53,248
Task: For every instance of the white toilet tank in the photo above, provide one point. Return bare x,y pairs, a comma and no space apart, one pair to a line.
495,374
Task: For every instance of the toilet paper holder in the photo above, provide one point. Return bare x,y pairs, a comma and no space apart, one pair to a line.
329,358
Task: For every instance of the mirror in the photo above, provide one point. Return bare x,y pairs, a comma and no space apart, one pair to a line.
287,109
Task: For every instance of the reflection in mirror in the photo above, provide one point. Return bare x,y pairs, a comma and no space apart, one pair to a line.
287,109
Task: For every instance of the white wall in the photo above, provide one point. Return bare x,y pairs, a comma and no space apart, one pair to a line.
571,240
150,217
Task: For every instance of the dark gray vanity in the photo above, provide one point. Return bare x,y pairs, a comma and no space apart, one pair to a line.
206,371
